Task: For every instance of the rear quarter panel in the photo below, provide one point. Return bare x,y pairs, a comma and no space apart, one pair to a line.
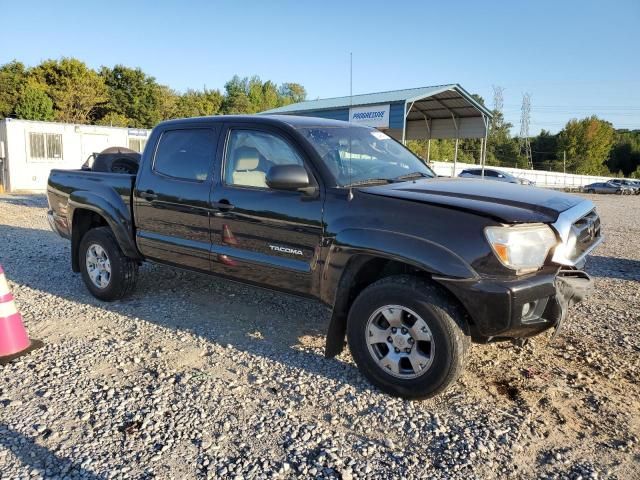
107,194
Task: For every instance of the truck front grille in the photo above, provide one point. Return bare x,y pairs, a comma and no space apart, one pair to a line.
586,232
579,232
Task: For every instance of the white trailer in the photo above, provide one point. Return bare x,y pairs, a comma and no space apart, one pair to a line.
30,149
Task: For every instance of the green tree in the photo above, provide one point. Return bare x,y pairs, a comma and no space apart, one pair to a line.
262,96
292,93
625,154
34,103
252,95
587,143
544,152
236,99
168,102
133,94
195,103
75,89
502,149
13,77
113,119
443,150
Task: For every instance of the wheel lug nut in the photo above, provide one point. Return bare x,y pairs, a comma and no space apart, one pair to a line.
397,350
404,330
389,339
408,350
394,329
411,340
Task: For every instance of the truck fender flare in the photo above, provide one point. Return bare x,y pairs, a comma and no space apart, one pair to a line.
114,211
346,256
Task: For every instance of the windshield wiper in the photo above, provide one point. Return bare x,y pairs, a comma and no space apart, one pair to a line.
370,180
408,176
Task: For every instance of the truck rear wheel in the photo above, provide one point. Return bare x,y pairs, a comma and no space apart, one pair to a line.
107,272
407,337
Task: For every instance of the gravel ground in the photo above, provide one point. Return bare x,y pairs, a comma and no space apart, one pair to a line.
193,377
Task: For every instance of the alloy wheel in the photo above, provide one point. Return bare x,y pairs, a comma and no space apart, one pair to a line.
400,341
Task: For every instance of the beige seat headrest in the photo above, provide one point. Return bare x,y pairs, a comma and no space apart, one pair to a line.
247,158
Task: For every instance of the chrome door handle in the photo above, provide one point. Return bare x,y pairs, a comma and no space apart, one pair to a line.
148,195
223,206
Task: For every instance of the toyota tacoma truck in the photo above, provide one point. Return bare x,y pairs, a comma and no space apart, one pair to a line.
415,268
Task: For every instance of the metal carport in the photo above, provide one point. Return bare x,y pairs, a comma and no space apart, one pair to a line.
442,111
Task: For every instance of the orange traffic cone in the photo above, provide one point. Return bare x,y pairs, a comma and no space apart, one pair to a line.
14,340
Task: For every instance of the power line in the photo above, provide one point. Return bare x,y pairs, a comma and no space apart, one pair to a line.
600,107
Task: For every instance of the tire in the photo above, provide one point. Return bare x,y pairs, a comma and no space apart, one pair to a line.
116,162
124,165
591,190
122,271
618,192
446,352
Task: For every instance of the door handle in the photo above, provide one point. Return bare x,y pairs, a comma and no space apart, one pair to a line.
223,206
148,195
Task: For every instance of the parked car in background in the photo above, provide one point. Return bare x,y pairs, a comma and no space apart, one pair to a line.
605,187
526,181
633,187
491,174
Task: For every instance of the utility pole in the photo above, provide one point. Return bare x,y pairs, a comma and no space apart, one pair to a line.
525,145
497,121
498,99
564,161
351,78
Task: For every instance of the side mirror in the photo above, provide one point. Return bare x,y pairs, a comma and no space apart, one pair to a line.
288,177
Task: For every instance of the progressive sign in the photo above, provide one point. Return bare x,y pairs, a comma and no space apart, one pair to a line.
372,115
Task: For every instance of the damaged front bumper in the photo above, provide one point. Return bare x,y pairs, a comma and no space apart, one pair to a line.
572,286
523,307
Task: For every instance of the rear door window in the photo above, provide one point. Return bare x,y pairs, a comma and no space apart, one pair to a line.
186,154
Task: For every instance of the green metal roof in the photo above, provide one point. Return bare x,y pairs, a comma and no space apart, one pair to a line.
407,95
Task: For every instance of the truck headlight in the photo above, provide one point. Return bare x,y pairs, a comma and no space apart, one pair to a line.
521,247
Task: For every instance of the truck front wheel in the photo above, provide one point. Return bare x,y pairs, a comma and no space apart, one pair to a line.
107,272
407,337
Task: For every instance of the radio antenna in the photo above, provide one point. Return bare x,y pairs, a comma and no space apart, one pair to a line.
350,195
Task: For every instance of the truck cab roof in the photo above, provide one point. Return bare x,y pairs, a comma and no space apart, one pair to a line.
295,121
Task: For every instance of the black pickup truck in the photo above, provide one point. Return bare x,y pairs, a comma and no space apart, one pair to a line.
414,267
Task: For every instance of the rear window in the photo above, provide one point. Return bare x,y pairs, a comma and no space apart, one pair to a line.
186,154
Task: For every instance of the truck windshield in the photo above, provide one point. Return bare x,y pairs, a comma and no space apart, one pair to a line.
361,155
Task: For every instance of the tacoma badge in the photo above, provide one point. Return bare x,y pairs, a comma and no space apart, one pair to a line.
292,251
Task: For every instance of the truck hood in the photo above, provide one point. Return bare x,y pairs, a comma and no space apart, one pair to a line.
505,202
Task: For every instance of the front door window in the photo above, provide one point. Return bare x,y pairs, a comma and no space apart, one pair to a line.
250,155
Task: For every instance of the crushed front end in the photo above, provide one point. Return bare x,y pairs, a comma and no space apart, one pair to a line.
526,305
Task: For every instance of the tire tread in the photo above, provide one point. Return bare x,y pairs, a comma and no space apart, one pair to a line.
453,322
129,267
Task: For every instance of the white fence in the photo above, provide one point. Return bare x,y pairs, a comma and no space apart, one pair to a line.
540,177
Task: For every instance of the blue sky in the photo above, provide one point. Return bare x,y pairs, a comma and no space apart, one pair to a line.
574,57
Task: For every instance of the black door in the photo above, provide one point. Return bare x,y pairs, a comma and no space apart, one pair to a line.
263,236
171,198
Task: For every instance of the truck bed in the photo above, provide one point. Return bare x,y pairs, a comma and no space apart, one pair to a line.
114,187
